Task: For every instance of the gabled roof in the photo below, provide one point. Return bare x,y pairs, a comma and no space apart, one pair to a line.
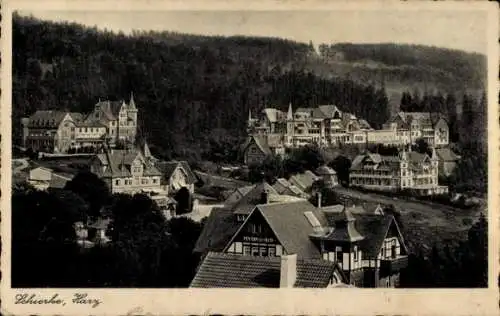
58,180
425,119
111,109
304,180
46,119
381,162
77,117
372,226
118,163
261,143
344,228
241,191
218,229
325,170
446,154
274,115
291,227
167,168
281,183
237,271
253,197
329,110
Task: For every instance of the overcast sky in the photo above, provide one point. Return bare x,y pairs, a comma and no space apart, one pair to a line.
451,29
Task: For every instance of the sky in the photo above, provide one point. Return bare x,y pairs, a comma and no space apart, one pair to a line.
463,30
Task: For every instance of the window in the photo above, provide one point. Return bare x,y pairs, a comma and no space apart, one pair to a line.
255,251
237,247
263,251
393,248
338,253
117,182
355,253
246,250
155,180
272,251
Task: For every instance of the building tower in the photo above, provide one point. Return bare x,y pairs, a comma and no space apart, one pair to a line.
435,165
404,170
344,241
132,116
289,127
250,122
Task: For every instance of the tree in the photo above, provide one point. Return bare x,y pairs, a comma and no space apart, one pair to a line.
184,201
139,242
92,189
341,165
42,232
184,233
422,147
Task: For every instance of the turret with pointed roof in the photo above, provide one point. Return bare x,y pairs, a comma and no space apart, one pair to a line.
131,104
345,229
289,115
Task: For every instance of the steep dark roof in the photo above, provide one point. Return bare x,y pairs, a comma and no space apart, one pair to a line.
372,227
111,109
58,181
191,178
46,119
291,226
261,143
446,154
348,231
237,271
168,167
253,197
119,164
325,170
219,227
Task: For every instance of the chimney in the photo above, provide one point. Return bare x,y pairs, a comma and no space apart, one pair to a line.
264,197
319,199
288,273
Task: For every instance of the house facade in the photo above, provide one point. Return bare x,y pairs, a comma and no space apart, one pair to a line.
49,131
128,172
176,175
407,171
60,131
326,125
257,148
448,161
328,175
40,178
367,247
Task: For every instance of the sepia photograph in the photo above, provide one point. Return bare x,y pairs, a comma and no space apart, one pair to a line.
185,149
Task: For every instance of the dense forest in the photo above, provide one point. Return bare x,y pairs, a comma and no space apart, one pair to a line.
202,86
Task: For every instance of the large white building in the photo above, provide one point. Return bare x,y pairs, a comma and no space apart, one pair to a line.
60,131
407,171
326,125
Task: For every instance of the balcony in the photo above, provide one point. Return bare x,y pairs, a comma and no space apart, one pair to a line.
391,266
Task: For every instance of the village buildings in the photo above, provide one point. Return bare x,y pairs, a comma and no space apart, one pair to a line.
294,244
272,130
409,170
60,131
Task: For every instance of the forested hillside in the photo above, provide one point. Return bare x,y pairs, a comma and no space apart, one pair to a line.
193,90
